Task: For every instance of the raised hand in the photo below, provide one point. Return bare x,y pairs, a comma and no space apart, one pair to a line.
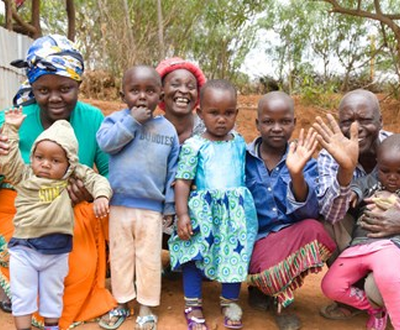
141,114
14,116
301,151
343,150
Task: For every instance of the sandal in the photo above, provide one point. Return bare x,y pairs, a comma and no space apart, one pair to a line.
142,320
337,311
375,322
120,313
6,306
232,314
192,321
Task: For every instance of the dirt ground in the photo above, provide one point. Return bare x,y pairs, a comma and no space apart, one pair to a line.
308,299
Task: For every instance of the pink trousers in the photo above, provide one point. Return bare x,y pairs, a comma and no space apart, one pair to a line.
357,261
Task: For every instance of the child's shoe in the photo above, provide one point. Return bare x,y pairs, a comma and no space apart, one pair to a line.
377,319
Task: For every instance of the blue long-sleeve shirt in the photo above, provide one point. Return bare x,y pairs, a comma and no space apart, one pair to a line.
143,160
275,203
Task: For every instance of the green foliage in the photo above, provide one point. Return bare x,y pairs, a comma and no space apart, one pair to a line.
116,34
306,33
314,89
302,37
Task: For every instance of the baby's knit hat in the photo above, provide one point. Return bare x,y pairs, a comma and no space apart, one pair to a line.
175,63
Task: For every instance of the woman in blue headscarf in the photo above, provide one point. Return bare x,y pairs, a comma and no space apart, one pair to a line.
54,69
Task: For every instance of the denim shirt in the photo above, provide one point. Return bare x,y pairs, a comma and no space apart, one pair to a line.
272,192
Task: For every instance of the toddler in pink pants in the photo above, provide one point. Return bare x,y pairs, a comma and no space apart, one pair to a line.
367,253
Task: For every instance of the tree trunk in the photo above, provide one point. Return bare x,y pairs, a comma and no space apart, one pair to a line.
70,7
160,31
129,31
103,28
35,19
8,7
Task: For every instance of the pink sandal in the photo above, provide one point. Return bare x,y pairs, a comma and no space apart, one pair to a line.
375,322
193,320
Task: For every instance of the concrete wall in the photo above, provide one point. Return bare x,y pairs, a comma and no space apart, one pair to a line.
12,46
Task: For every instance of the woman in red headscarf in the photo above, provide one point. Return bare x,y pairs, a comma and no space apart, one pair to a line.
181,81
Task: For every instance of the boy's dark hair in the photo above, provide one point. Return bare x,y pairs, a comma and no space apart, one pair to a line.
217,84
143,67
390,144
275,95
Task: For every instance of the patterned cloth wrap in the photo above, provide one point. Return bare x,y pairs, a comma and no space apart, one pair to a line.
4,255
53,54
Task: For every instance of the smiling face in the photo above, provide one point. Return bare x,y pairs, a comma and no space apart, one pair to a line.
49,160
180,88
141,87
218,112
363,108
56,97
275,120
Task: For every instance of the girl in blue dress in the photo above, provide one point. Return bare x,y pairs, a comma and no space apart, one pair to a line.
217,221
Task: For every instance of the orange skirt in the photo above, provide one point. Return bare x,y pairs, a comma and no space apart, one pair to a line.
85,295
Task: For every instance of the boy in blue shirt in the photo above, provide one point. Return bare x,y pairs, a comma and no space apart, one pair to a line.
143,156
282,178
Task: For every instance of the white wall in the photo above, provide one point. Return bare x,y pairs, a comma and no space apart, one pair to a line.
12,46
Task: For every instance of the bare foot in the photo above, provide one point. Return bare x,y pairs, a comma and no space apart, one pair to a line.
286,319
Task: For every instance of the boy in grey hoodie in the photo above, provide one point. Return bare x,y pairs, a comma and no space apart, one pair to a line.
42,238
143,152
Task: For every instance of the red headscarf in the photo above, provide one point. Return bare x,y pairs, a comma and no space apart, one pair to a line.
175,63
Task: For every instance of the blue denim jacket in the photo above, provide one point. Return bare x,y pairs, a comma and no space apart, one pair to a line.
275,203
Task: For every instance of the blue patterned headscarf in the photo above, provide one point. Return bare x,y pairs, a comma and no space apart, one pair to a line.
53,54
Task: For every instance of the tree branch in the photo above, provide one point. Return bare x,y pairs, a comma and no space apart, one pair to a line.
377,6
25,28
35,19
385,19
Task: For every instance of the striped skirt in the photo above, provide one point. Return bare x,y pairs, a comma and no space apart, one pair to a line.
282,260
